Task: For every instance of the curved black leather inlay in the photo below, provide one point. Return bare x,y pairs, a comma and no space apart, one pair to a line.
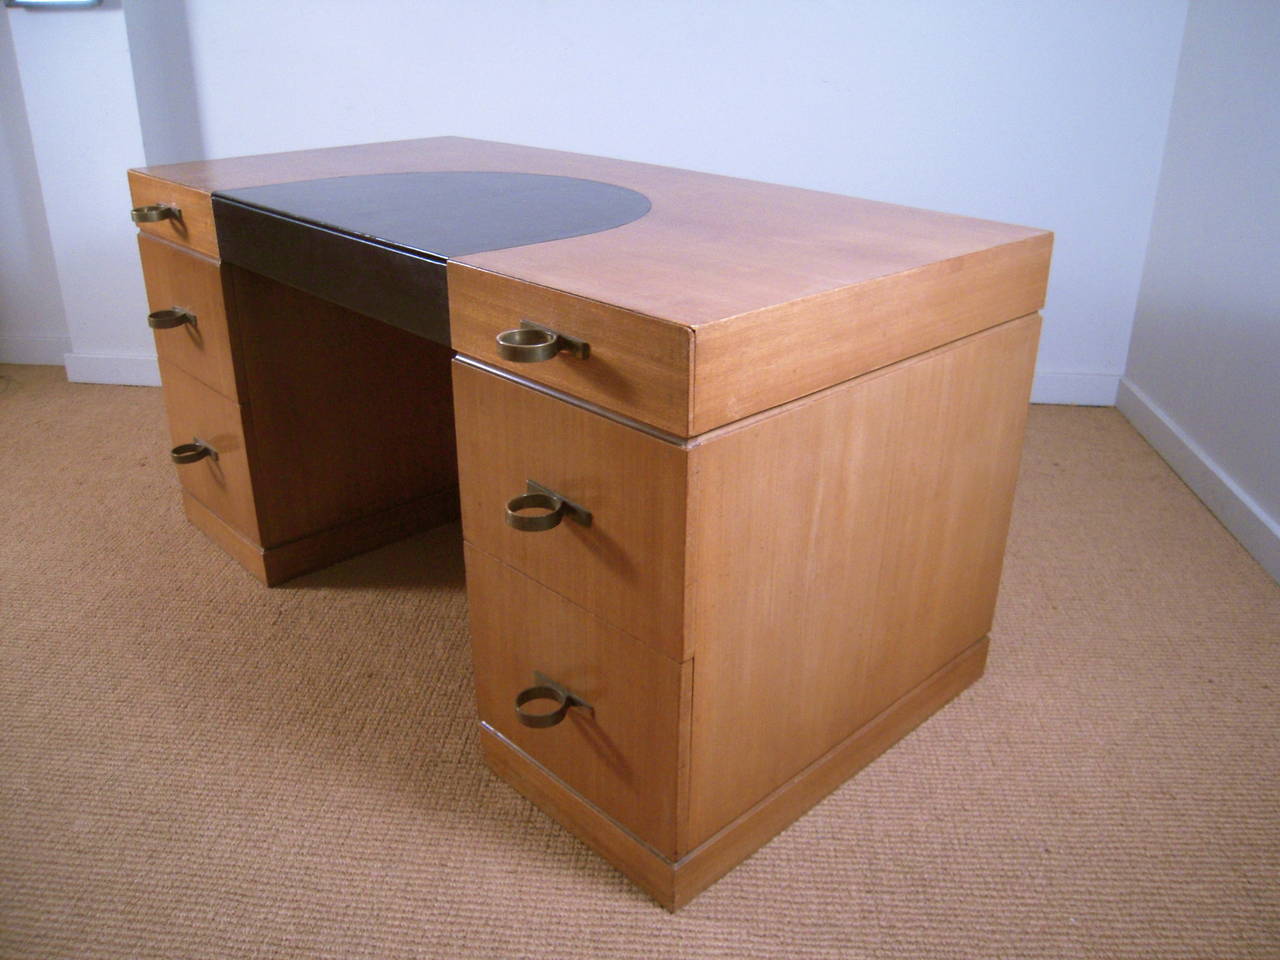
452,213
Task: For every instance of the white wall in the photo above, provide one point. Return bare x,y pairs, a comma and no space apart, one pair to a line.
82,119
33,326
1203,381
1049,114
168,102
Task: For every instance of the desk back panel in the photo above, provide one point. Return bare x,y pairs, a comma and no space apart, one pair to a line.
346,416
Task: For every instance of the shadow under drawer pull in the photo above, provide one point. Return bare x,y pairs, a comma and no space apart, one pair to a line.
531,342
168,319
197,449
155,211
539,497
547,689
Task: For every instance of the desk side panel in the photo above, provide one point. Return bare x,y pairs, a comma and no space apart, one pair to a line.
850,545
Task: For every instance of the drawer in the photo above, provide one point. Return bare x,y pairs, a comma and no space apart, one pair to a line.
177,278
221,483
637,365
624,755
191,224
628,565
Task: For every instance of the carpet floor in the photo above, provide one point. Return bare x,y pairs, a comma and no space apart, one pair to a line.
194,766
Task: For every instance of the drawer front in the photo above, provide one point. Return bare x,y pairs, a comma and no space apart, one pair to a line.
193,224
623,756
176,278
628,565
637,366
222,484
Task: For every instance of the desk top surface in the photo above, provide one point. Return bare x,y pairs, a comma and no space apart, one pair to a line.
690,248
447,214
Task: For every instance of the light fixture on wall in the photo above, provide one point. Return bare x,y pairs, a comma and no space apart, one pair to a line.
49,4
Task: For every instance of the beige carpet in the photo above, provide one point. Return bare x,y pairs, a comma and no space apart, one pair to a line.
193,766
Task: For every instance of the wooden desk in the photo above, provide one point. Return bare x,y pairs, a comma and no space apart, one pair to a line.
795,430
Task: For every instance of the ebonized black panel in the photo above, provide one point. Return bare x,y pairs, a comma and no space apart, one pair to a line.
452,213
378,243
407,290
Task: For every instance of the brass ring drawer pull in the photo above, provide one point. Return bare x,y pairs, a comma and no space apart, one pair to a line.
556,507
532,342
537,521
168,319
155,211
539,720
197,449
547,689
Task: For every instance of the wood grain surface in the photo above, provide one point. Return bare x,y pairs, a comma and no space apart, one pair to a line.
276,565
756,361
780,291
628,566
224,485
638,861
193,228
674,883
721,852
712,247
177,277
623,756
348,416
846,547
638,366
248,553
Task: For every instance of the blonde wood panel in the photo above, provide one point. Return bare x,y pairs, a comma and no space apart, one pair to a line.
624,756
754,362
638,861
223,485
711,247
628,566
847,546
194,228
701,867
176,277
638,366
674,884
243,551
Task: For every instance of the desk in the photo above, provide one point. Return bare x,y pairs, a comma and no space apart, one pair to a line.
734,461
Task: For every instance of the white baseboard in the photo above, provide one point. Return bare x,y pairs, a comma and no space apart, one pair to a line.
47,351
1081,389
1257,532
102,368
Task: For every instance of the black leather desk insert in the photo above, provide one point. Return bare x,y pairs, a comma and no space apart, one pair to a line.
378,243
